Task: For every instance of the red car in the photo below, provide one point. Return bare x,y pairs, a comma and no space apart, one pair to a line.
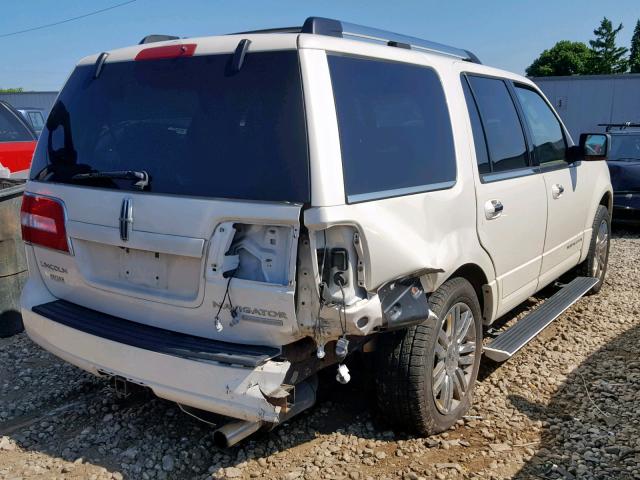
17,143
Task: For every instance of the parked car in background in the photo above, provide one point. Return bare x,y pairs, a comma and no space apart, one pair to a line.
35,117
17,143
624,167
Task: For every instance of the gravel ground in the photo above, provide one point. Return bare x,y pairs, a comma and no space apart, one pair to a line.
567,406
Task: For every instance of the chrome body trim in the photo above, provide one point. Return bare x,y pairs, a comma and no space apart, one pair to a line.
363,197
521,172
126,218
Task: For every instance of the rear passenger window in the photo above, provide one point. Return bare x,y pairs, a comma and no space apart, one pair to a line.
502,128
395,131
548,139
482,156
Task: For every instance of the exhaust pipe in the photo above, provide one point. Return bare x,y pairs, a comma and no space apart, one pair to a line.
234,432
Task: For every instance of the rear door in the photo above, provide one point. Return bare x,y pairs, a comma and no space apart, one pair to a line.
568,189
214,234
511,203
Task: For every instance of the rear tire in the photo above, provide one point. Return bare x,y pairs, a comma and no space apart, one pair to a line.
426,374
595,265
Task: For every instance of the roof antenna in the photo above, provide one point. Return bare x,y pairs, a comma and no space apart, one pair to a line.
238,56
99,64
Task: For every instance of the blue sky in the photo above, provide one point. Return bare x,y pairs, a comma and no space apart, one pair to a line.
504,33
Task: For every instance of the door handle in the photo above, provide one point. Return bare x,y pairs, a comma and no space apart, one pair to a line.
493,209
557,190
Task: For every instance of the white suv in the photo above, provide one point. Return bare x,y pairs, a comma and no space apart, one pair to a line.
219,218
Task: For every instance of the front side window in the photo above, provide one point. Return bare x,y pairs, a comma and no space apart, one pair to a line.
502,128
548,139
11,129
625,148
395,131
480,143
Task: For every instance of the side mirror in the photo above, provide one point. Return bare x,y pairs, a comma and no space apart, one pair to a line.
595,146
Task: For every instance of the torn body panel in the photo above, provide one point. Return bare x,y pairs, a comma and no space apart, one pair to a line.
393,243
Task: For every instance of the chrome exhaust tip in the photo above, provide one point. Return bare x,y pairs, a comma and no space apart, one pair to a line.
234,432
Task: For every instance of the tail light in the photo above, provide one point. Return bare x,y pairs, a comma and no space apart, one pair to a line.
42,220
167,51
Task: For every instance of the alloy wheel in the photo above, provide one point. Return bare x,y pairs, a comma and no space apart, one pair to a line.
601,250
454,358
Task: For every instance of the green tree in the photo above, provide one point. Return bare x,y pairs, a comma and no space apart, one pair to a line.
634,55
605,56
564,58
11,90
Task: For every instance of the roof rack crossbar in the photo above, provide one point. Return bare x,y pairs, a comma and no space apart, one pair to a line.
271,30
621,126
336,28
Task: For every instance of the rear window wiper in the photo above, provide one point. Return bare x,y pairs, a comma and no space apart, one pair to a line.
141,177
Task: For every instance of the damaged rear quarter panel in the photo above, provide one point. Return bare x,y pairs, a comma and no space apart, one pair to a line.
404,234
401,235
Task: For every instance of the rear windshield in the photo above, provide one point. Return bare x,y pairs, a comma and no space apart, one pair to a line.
11,129
192,124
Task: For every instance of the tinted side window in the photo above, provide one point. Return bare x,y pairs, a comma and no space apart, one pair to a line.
548,139
507,147
482,156
11,130
395,131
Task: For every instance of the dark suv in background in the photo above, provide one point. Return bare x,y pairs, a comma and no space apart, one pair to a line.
624,166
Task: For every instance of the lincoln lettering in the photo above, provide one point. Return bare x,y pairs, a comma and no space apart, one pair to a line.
52,267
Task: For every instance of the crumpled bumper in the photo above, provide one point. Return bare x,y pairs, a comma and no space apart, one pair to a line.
228,390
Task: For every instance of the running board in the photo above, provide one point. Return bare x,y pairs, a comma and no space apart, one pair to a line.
516,337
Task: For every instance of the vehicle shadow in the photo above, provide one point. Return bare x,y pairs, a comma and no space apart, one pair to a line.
592,423
93,427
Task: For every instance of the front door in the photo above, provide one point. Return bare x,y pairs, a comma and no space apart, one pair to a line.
567,192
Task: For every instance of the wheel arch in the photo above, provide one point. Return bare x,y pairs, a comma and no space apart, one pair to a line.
479,280
607,201
605,198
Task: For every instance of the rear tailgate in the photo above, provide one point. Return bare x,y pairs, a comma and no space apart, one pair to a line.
170,273
215,232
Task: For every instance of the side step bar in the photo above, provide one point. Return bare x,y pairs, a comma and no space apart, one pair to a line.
516,337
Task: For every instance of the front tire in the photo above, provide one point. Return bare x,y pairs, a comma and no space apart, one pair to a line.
426,374
595,265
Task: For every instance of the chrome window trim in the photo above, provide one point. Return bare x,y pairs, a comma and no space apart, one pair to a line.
557,165
398,192
509,174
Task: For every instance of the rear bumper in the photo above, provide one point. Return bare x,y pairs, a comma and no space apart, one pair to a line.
230,390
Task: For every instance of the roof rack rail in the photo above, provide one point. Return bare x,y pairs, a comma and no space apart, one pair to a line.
337,28
621,126
157,38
